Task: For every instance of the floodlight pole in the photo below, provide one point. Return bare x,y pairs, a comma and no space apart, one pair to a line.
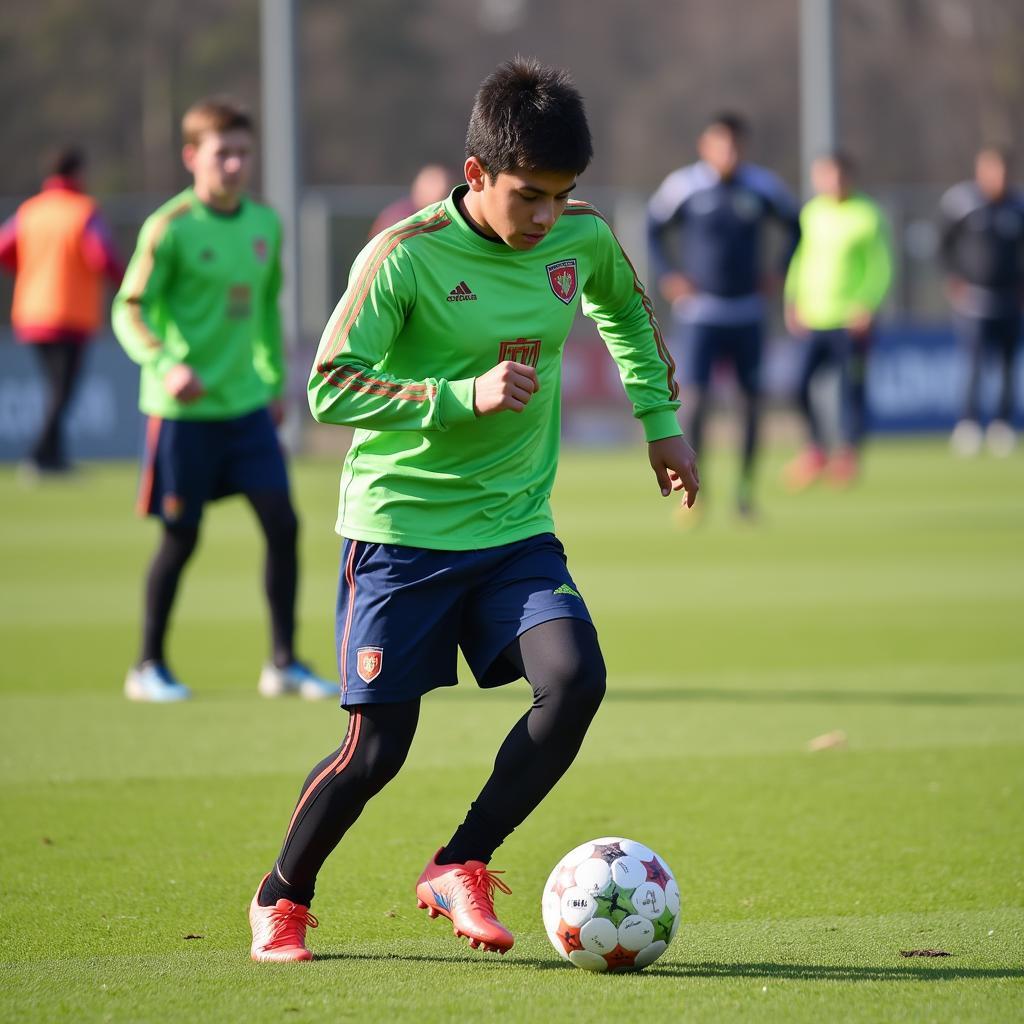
818,106
282,172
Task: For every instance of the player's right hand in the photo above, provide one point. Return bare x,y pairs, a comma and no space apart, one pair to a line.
676,287
183,383
507,386
794,324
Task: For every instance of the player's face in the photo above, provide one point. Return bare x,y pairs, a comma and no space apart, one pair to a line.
990,172
519,207
718,147
828,179
221,163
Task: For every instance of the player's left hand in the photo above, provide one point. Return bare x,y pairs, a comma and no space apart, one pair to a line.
675,465
277,411
859,325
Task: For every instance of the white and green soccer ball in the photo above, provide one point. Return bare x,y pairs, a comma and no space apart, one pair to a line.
611,905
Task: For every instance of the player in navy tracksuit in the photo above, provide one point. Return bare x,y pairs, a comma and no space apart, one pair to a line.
715,210
983,256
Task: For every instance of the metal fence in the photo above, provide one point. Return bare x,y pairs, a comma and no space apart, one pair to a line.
914,383
334,222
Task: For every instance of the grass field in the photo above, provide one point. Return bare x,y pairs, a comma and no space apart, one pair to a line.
133,836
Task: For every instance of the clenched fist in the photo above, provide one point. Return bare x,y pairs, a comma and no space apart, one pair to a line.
507,386
183,383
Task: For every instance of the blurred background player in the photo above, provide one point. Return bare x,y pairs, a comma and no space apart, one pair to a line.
837,280
431,184
198,310
60,251
983,256
713,277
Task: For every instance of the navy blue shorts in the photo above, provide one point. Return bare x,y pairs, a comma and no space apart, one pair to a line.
737,344
187,463
403,613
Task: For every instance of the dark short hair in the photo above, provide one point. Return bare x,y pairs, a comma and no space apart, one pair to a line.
529,116
214,114
1000,150
842,160
735,124
66,161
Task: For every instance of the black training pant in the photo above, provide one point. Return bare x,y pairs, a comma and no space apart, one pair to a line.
561,660
61,363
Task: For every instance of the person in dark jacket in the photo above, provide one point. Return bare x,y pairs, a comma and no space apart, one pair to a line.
714,276
983,257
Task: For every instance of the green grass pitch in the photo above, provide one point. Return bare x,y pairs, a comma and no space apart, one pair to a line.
133,836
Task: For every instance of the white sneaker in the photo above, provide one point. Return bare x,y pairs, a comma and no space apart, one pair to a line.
296,678
152,682
1001,438
966,439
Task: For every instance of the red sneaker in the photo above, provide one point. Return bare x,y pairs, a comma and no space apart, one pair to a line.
805,469
279,932
464,893
844,467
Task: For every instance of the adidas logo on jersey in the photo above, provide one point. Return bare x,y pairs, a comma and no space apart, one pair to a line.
462,293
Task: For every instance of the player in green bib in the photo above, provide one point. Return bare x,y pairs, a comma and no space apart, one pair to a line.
445,355
836,282
198,311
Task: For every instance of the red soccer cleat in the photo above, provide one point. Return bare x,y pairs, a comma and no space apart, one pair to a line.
844,467
464,893
279,932
805,469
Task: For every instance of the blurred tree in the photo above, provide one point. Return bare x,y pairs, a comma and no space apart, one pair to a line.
388,84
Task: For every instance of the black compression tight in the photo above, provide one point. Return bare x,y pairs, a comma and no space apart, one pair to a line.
280,527
280,576
176,547
561,660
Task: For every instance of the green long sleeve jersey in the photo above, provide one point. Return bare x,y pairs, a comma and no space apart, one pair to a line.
201,289
842,265
430,306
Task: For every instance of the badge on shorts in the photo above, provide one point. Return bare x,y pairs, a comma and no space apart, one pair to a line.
172,507
368,663
562,278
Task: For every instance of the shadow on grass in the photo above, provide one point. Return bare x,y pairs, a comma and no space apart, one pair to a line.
834,972
728,695
736,696
520,694
765,971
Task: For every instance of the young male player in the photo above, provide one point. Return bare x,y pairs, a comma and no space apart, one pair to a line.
718,207
198,310
837,280
445,354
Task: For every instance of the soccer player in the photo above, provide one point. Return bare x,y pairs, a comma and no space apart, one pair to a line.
983,256
59,249
198,310
445,354
837,280
431,184
715,211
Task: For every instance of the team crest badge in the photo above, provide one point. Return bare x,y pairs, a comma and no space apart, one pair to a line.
562,278
172,507
520,350
259,247
368,663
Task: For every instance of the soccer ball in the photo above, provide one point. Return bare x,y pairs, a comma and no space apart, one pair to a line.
611,905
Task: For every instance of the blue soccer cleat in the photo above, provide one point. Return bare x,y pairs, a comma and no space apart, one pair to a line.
296,678
152,682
